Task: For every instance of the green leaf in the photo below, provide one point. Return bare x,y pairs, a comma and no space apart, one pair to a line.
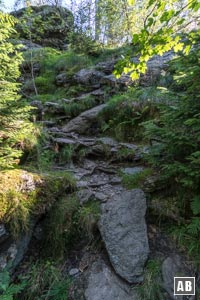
135,38
126,70
150,21
134,76
131,2
187,49
178,47
195,205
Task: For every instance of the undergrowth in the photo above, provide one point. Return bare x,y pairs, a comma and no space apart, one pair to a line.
131,181
175,149
8,289
45,280
53,62
151,287
67,223
126,111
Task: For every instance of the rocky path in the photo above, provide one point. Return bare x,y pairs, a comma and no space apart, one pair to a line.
96,163
122,224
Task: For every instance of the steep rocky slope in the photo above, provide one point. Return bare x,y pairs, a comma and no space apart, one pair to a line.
123,226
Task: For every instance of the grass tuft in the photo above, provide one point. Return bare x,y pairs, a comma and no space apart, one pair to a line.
135,180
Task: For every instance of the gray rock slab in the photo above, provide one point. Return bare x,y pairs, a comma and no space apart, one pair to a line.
107,141
98,93
73,272
85,195
66,141
132,171
88,76
84,121
123,229
13,255
103,284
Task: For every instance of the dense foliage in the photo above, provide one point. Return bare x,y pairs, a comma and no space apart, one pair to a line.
177,150
15,129
163,25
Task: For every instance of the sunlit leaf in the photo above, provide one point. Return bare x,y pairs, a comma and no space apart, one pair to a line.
178,47
134,76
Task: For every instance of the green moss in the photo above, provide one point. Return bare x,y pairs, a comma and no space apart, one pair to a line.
57,183
24,194
135,180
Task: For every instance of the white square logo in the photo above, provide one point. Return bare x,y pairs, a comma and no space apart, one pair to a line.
184,286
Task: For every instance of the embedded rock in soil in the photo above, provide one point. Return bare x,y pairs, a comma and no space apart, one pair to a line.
175,266
10,257
53,107
3,233
85,195
84,121
123,230
103,284
62,79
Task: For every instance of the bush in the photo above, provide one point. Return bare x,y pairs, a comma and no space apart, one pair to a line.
16,132
125,112
8,290
176,151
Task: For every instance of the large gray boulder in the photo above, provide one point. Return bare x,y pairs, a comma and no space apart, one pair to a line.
106,67
88,76
156,66
103,284
110,80
123,230
84,121
49,25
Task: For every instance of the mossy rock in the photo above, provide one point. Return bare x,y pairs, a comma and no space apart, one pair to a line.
24,195
49,25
